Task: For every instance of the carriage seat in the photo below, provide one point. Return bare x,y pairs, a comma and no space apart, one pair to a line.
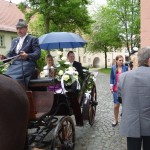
35,74
41,103
41,84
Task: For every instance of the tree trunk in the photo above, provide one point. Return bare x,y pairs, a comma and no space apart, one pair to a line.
105,59
46,24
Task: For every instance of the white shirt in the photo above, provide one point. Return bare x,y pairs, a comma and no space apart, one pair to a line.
46,70
20,43
71,63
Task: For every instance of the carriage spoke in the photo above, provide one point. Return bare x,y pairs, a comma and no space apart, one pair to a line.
66,135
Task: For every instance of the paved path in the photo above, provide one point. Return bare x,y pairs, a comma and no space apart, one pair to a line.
101,136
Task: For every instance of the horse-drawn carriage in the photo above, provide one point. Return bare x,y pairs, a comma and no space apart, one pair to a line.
51,124
50,121
52,115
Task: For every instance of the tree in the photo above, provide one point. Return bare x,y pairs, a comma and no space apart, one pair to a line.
117,25
127,14
105,34
58,15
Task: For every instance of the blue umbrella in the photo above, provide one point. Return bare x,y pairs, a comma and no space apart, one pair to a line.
59,40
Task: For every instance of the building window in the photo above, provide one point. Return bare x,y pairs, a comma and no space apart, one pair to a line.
13,37
2,41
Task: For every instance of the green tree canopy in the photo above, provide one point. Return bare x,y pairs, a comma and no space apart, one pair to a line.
127,14
58,15
105,33
117,25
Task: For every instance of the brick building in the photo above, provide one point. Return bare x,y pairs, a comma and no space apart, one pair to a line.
145,23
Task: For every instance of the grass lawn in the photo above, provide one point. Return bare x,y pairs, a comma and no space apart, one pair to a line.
106,71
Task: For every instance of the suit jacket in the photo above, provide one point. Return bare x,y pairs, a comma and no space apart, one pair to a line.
134,88
24,68
78,67
30,46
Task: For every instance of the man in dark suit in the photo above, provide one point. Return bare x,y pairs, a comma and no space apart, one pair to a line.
77,65
27,48
134,89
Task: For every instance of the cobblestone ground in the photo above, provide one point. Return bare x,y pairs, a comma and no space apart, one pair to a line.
101,136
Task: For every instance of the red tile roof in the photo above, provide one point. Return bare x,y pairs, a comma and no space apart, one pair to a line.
9,16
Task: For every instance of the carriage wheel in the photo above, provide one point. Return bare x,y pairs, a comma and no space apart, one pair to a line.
64,135
92,105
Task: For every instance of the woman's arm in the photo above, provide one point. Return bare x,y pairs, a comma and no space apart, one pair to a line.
111,79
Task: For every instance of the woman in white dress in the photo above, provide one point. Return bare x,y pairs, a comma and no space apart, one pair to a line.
50,71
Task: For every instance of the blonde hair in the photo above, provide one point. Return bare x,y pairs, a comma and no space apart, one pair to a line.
134,59
48,56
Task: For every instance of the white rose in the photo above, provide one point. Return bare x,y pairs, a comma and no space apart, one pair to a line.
68,72
60,72
64,58
94,79
66,77
59,52
85,70
76,72
58,65
76,77
56,58
74,68
42,74
67,63
70,68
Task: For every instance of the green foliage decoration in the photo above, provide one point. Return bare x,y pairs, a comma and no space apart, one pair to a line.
41,62
3,67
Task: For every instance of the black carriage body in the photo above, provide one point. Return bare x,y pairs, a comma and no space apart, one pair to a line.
46,107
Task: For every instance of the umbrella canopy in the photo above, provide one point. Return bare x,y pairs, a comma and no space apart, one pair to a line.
59,40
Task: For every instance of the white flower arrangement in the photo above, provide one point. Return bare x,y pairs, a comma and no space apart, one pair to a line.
90,83
65,72
60,73
42,74
64,58
66,77
60,53
70,76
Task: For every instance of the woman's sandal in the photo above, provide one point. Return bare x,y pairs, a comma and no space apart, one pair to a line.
114,124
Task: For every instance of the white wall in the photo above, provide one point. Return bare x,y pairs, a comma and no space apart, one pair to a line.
98,59
7,40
